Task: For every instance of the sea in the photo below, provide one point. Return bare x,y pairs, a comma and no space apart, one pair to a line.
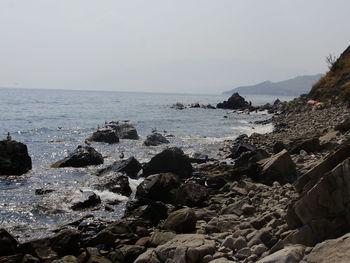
53,123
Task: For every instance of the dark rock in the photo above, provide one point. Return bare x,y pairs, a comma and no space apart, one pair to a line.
170,160
8,244
279,167
124,130
158,187
178,106
14,158
131,252
344,126
130,166
43,191
155,139
199,158
241,148
153,212
120,185
278,147
81,157
66,242
106,135
105,237
191,194
181,221
308,145
88,199
234,102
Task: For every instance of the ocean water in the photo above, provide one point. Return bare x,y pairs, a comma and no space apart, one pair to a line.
54,122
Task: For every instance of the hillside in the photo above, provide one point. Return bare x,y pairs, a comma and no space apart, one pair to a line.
336,83
290,87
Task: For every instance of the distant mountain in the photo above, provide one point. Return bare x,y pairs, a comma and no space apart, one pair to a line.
291,87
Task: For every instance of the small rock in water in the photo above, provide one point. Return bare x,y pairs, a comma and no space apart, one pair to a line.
88,199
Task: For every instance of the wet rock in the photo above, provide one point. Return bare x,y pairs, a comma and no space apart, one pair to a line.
155,139
80,157
130,167
106,135
279,167
234,102
8,244
199,158
158,187
291,254
43,191
119,184
170,160
86,200
153,212
14,158
181,221
95,257
124,130
178,106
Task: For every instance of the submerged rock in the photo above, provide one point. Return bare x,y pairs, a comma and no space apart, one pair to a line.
88,199
82,156
14,158
155,139
130,167
119,184
170,160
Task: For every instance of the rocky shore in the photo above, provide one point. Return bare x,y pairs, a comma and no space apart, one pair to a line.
277,197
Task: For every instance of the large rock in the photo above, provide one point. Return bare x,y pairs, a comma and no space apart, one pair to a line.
309,145
325,207
279,167
186,248
291,254
130,167
334,250
155,139
158,187
106,135
181,221
14,158
124,130
8,244
170,160
82,156
234,102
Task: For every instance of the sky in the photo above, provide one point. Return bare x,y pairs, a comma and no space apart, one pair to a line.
191,46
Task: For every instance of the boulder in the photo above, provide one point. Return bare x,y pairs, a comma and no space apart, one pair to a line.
124,130
155,139
191,194
241,148
278,146
186,248
291,254
309,145
170,160
235,102
343,126
8,244
80,157
130,167
181,221
106,135
14,158
119,185
158,187
150,211
279,167
199,158
334,250
86,200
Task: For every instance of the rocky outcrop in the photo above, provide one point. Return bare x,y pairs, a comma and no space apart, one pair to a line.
155,139
14,158
171,160
82,156
124,130
130,167
235,102
106,135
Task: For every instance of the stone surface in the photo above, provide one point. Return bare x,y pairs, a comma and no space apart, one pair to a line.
181,221
170,160
155,139
85,200
8,244
124,130
14,158
292,254
130,167
82,156
106,135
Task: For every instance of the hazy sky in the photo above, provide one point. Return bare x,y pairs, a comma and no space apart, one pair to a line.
202,46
